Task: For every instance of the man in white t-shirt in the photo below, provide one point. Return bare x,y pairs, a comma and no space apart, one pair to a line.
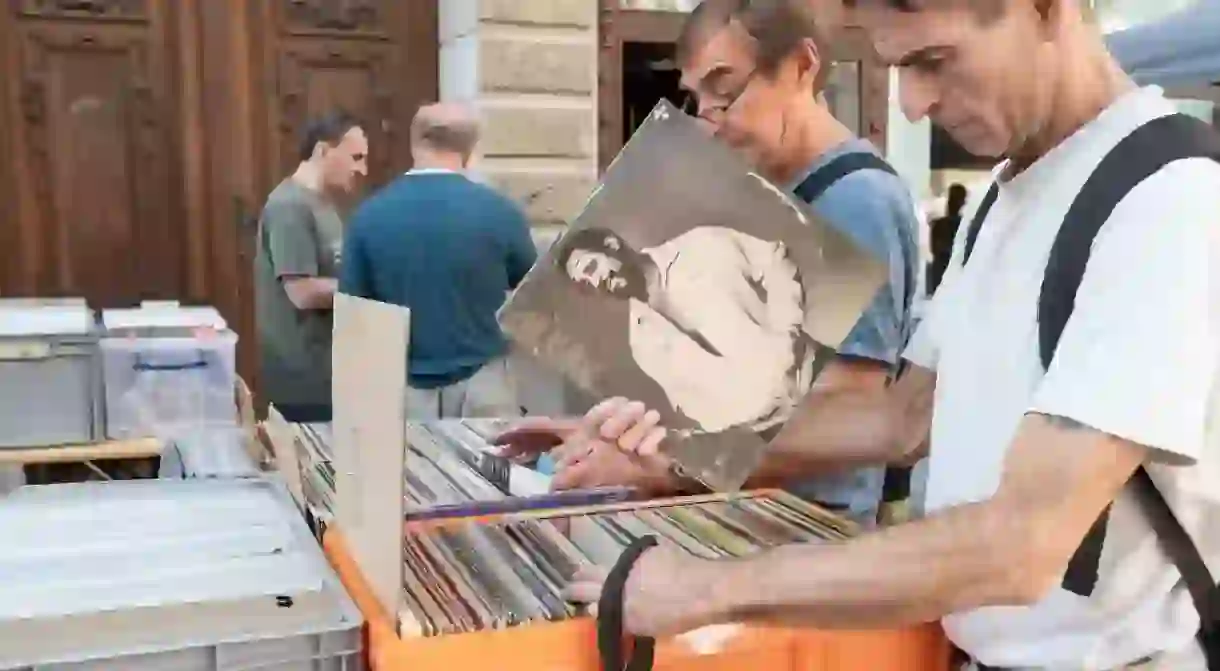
1022,461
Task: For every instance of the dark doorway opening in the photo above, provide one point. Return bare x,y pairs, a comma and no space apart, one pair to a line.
649,74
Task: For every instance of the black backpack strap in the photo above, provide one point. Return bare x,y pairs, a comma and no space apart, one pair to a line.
1182,551
976,224
825,177
1137,157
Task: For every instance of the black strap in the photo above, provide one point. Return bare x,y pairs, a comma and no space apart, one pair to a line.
1137,157
1178,546
825,177
610,615
976,224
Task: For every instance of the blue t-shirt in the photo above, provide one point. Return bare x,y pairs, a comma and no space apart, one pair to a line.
874,208
450,249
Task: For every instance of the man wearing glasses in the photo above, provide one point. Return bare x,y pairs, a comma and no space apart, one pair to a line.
754,72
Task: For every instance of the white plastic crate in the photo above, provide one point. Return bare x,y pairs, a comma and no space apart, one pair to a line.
165,386
220,576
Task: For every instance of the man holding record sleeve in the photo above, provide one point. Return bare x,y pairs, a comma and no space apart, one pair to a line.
1064,376
754,72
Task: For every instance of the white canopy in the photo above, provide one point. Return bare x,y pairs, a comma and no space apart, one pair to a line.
1182,49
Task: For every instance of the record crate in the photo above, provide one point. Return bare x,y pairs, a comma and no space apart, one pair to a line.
367,546
571,645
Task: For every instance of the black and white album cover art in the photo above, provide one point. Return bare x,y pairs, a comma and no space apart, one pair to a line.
691,283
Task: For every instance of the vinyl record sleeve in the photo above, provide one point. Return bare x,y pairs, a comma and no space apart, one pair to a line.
693,284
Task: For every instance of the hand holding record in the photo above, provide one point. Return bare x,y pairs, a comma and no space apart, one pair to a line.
593,456
628,424
533,436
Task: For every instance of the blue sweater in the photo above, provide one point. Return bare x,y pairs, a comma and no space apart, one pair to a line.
449,249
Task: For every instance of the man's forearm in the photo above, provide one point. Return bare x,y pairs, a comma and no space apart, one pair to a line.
312,293
963,559
837,429
851,419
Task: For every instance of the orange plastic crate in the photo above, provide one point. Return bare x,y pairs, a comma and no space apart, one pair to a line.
571,645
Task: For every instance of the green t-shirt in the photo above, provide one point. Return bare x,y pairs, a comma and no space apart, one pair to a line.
299,235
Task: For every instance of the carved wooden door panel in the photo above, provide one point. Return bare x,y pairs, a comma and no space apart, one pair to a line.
98,180
376,59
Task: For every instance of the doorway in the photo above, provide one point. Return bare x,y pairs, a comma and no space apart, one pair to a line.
650,74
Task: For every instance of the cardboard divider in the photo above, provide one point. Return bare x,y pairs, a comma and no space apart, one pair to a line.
366,548
369,399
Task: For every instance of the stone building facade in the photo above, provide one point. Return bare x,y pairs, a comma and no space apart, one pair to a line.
530,67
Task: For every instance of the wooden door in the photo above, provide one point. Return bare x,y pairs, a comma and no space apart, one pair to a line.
138,138
376,59
94,163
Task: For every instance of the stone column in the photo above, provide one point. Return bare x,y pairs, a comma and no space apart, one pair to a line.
530,68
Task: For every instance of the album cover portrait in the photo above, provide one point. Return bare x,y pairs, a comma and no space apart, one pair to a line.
692,284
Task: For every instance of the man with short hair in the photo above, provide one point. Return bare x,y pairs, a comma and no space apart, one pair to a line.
450,249
1073,410
299,246
754,71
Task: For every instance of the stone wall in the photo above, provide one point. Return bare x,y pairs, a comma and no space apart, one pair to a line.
530,68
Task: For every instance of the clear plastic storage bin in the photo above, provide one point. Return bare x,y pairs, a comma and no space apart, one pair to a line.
171,385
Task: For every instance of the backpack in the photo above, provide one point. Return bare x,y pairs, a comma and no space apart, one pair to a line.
820,180
1136,158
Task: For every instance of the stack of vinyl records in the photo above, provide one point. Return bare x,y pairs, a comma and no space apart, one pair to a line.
159,574
473,577
316,461
451,470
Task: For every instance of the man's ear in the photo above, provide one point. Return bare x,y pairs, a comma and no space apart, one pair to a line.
809,61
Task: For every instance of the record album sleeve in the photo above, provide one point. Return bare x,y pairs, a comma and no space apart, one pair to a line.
693,284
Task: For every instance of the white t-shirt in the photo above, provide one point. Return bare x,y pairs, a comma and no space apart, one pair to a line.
1138,360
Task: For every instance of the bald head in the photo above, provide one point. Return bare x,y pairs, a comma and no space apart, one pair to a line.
444,130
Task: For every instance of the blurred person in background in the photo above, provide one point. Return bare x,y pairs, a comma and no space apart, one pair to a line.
944,232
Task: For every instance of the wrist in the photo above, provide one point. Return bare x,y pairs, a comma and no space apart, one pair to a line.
726,587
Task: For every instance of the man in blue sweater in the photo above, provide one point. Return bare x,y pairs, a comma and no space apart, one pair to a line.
450,249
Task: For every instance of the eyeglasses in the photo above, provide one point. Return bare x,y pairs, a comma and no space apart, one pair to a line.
689,102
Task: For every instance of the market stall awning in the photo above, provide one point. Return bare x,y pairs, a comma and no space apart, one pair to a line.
1183,49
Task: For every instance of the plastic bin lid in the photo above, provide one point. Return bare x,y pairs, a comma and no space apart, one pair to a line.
45,320
163,316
